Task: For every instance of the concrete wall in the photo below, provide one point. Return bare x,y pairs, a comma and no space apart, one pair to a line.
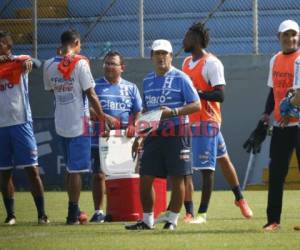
245,96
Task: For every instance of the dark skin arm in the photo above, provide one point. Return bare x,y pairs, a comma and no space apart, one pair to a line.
216,95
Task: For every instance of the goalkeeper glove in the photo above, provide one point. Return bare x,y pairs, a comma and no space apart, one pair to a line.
256,138
288,109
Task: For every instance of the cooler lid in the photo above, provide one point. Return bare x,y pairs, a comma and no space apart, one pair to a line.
115,154
122,176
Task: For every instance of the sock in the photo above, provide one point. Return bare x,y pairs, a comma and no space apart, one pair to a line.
148,218
40,207
9,204
99,211
203,208
237,192
73,210
189,207
173,218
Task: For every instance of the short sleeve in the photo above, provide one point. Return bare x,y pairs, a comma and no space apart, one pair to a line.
270,76
47,83
85,76
215,72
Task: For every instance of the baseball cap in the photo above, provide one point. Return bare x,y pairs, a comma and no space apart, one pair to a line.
162,44
288,25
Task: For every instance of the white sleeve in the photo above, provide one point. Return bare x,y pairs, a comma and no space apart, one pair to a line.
215,72
296,84
86,79
270,77
47,83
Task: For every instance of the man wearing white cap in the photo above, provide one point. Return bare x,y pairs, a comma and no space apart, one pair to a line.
167,151
283,79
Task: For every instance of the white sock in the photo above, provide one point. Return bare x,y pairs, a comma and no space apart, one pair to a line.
148,218
100,211
173,218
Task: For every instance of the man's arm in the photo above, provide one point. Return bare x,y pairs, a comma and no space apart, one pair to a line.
184,110
216,95
96,106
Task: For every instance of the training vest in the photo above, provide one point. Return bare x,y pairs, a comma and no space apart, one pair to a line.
283,78
67,65
210,110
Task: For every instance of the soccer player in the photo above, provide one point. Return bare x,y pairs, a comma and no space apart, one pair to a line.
283,76
167,153
208,145
17,143
69,77
120,99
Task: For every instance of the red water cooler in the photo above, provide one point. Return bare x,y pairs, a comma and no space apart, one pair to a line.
123,198
122,185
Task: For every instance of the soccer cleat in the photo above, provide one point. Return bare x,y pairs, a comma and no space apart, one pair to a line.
10,220
244,207
200,219
140,225
72,221
169,226
271,227
188,217
297,227
164,217
43,220
98,218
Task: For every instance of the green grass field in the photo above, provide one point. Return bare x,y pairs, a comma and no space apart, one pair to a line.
226,228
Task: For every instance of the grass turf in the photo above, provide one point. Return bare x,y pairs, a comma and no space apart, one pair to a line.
225,229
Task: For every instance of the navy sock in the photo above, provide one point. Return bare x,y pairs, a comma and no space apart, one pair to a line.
40,207
73,210
203,208
237,192
9,204
189,207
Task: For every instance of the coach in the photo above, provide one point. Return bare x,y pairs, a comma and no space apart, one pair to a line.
168,153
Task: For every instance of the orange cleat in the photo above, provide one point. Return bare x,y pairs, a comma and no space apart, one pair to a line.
188,217
244,207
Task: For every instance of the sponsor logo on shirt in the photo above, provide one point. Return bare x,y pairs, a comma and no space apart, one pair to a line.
114,105
5,84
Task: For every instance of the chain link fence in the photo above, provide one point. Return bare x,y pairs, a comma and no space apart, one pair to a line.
131,25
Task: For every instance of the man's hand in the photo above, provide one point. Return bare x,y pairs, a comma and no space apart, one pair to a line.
4,58
167,112
130,131
137,146
27,65
112,122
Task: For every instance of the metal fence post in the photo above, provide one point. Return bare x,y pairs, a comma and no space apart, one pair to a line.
141,26
255,26
34,30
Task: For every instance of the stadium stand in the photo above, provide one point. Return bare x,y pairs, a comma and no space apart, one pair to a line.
231,28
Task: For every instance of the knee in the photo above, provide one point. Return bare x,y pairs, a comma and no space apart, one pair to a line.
33,173
98,177
224,162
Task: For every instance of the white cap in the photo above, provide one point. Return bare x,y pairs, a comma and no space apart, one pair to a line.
162,44
288,25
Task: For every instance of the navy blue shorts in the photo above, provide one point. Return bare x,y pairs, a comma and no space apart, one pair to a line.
166,156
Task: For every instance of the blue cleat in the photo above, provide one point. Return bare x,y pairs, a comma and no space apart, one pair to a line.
98,218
